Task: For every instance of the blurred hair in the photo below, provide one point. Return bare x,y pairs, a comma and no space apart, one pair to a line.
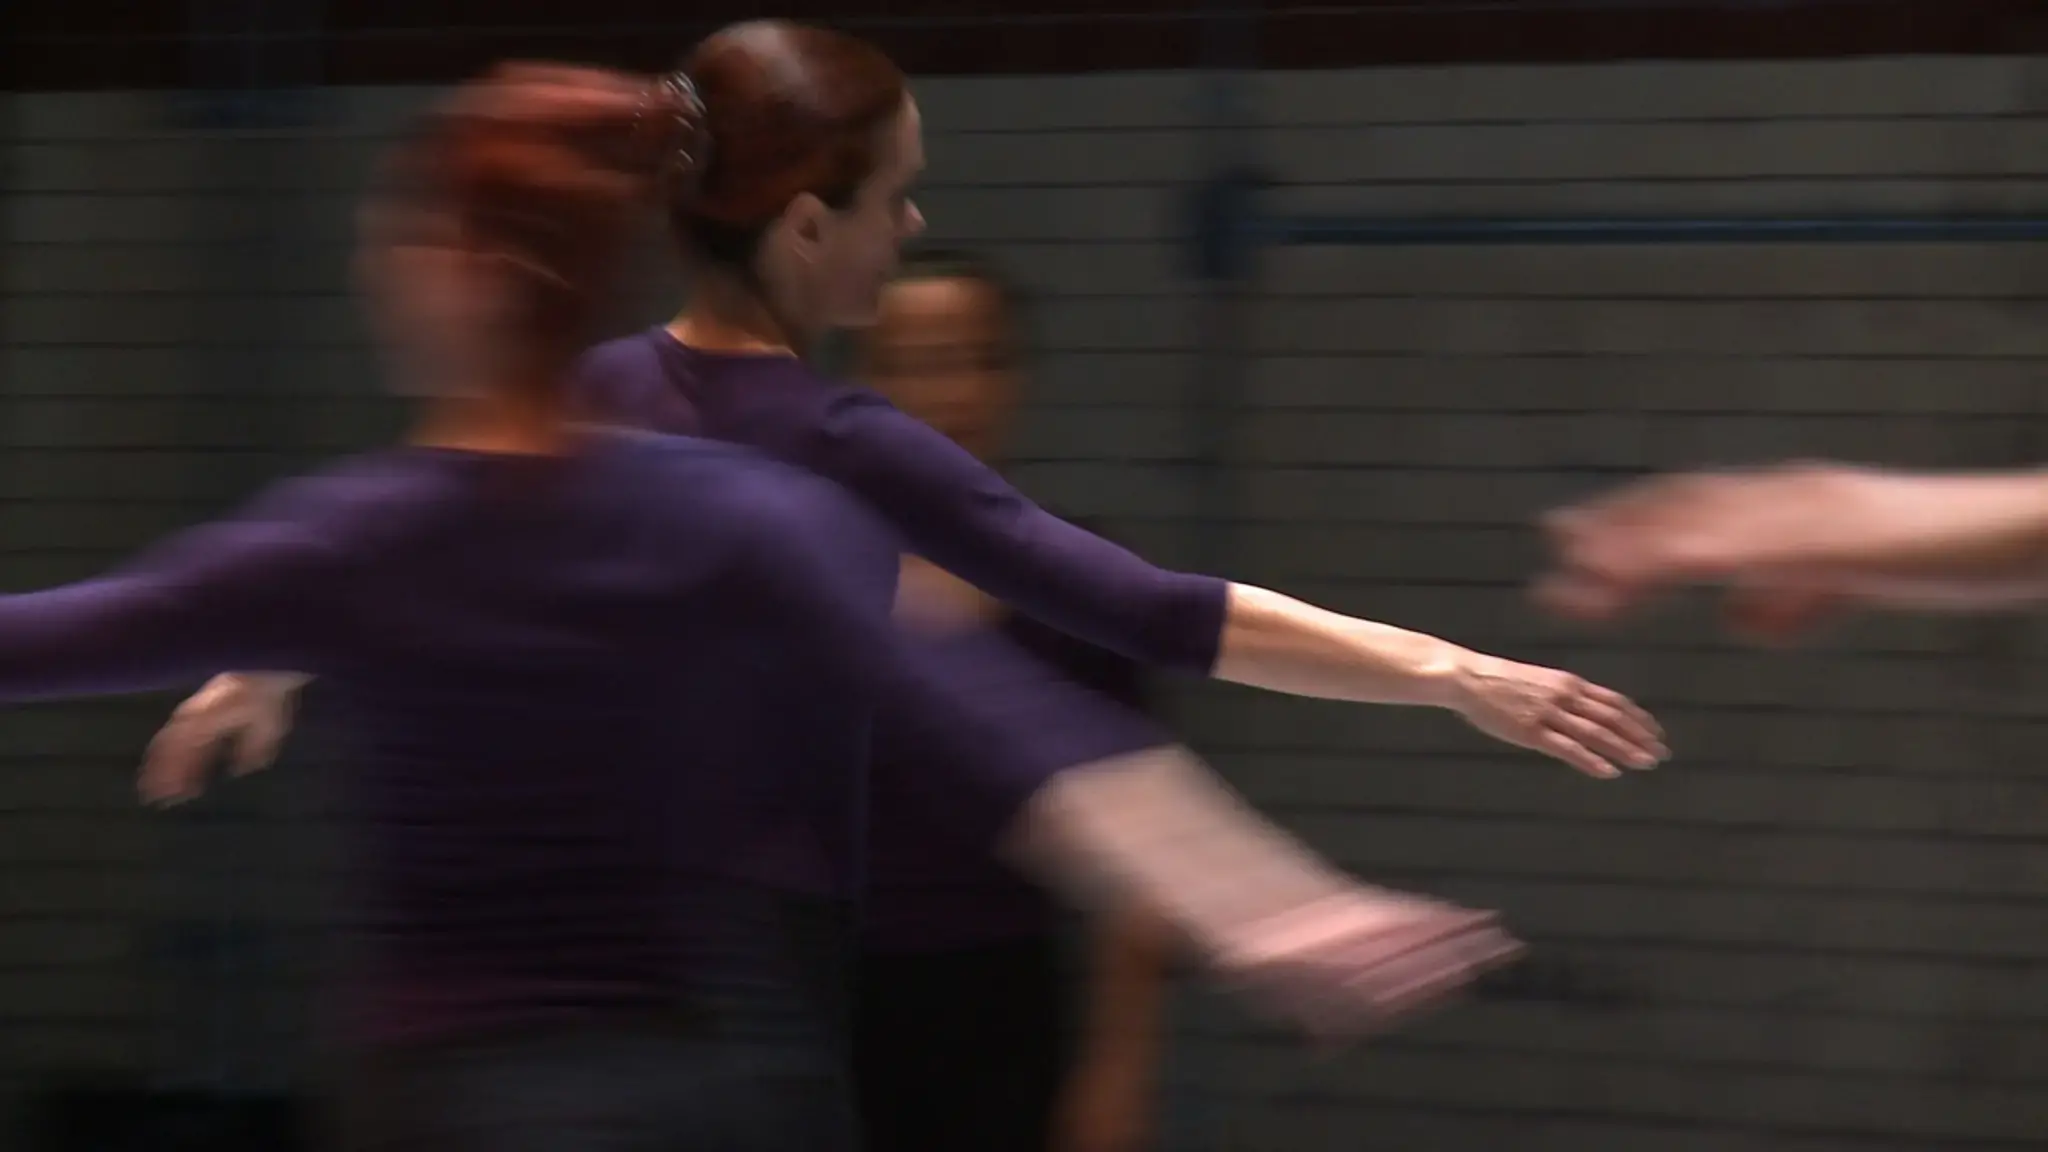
547,170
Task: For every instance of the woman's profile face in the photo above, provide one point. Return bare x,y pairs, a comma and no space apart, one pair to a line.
860,246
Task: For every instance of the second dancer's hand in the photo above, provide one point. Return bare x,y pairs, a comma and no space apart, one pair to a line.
247,713
1364,960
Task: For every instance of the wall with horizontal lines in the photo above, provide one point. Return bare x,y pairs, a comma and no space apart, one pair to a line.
1818,929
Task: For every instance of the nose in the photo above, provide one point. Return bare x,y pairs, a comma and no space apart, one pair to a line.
913,222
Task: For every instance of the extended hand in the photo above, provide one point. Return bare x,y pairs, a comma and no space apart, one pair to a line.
1558,714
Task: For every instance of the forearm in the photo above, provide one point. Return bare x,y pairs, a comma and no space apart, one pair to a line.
116,635
1156,830
1279,643
1945,539
1990,592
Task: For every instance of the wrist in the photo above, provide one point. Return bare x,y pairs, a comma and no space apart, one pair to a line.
1445,677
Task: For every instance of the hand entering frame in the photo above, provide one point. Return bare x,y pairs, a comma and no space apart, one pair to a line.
1772,535
250,712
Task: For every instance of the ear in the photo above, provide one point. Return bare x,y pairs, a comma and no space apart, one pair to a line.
803,225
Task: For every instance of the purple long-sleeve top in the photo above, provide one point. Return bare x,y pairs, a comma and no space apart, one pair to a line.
930,879
594,697
940,501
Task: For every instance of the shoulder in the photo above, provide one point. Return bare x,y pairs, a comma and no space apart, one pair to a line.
625,358
887,451
318,519
842,402
623,381
353,490
796,412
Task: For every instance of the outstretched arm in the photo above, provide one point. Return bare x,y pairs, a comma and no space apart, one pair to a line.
964,517
1794,538
1156,829
262,590
247,593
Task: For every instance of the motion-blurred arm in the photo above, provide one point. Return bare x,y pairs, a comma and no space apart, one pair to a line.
1794,539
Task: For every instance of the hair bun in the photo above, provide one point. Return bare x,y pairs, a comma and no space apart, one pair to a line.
673,136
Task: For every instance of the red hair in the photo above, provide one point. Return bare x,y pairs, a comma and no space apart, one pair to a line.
547,168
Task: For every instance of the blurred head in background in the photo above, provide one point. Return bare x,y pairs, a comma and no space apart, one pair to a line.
947,347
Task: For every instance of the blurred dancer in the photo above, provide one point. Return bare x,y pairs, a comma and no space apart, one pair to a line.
1795,544
971,1028
577,930
610,690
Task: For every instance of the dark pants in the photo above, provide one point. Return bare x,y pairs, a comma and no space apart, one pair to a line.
962,1050
602,1090
749,1057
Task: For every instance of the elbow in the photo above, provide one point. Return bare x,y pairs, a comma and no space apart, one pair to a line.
1186,624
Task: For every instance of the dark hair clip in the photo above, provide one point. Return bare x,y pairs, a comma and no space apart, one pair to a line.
672,122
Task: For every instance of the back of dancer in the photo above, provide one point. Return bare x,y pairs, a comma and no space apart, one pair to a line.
520,865
603,685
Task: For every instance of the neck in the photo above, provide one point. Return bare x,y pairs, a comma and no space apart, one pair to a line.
725,316
527,421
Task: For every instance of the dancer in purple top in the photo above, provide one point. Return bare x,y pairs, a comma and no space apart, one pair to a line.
575,918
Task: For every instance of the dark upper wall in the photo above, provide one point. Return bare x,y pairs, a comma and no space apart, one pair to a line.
129,44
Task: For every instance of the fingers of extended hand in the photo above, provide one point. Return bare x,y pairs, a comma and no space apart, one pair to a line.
1609,725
